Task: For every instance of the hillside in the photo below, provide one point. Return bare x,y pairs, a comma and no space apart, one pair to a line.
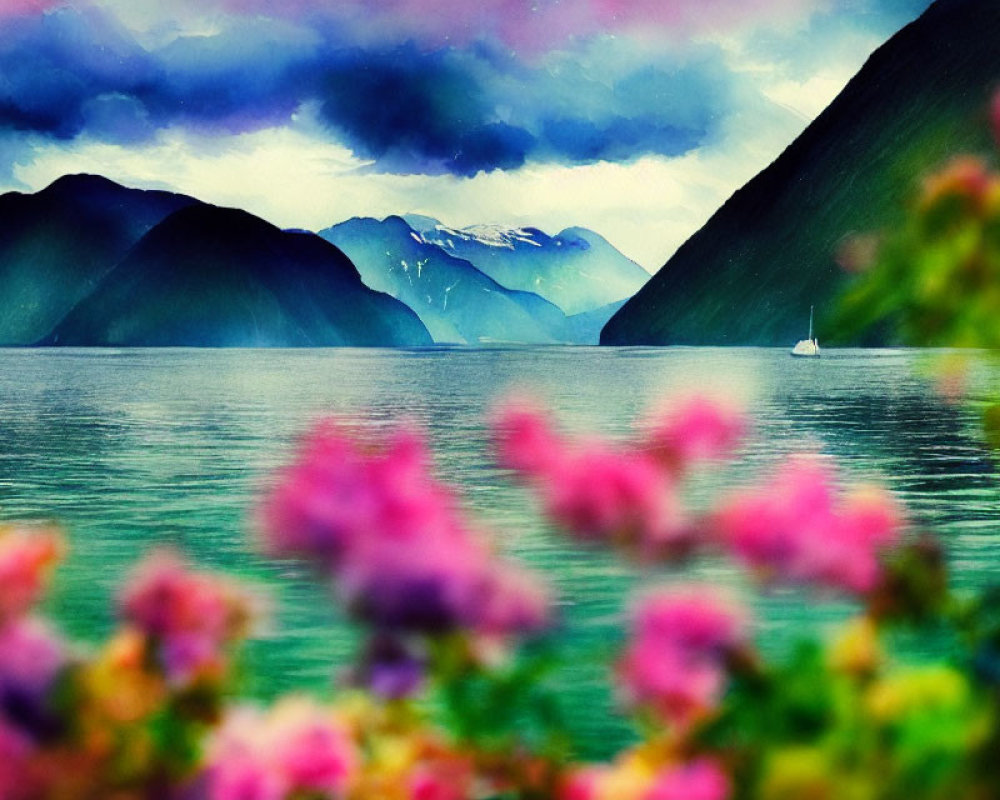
750,274
209,276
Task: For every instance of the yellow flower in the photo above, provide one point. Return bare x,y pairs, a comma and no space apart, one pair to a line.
917,690
856,651
801,773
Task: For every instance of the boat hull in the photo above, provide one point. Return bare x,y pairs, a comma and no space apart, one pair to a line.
807,348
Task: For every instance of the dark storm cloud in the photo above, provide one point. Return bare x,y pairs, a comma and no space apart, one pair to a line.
409,109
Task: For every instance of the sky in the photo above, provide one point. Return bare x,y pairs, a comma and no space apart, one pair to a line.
635,118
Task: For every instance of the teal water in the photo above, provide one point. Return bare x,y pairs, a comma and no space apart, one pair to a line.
129,449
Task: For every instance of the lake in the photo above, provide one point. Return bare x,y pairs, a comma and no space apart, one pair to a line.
134,448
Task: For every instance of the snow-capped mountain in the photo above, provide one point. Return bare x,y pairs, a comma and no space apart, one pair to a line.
577,269
456,302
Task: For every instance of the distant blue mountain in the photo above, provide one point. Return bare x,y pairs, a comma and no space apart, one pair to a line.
457,302
577,270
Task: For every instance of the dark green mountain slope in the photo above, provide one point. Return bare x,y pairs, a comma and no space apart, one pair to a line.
751,273
219,277
57,244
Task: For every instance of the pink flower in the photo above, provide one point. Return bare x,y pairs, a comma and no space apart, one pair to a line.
191,617
599,492
239,776
311,750
525,439
796,528
695,429
699,780
26,557
675,662
583,784
296,749
394,538
31,655
441,780
15,752
322,501
596,490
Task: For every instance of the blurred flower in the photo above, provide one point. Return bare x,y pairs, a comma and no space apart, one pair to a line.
15,751
917,691
596,490
27,556
118,684
699,780
792,773
442,779
966,180
795,528
190,617
936,276
296,749
856,651
390,667
402,554
628,779
601,493
582,784
857,252
524,437
693,429
675,663
31,656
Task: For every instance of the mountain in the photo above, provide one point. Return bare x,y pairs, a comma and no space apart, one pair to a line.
57,245
751,273
577,269
457,302
209,276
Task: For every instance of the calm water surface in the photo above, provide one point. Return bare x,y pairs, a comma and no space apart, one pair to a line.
139,447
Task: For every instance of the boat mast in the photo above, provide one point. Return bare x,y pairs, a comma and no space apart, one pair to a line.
810,323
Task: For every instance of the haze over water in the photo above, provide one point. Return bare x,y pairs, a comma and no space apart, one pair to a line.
134,448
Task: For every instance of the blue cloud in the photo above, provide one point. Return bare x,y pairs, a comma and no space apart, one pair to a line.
409,110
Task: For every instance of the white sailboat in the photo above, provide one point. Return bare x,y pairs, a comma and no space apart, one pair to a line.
810,346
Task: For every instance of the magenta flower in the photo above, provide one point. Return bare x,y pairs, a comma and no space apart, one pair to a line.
583,784
297,749
445,780
312,750
602,493
796,528
394,539
26,558
191,617
700,780
525,439
31,658
596,490
675,662
695,429
322,502
15,751
31,655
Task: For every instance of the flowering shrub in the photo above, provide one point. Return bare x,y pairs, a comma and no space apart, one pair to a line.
445,700
936,277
